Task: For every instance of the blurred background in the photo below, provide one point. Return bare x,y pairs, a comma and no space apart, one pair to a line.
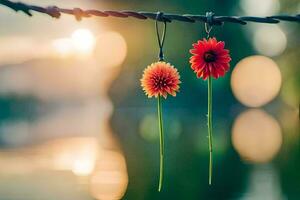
75,124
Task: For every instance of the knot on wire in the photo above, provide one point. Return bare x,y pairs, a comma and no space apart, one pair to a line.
53,11
210,21
160,17
160,37
210,18
79,13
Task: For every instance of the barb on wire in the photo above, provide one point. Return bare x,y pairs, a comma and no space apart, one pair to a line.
79,13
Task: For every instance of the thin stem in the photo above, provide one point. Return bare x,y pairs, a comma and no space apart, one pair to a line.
161,142
209,124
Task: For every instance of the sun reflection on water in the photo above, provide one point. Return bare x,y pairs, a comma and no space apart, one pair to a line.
110,179
75,154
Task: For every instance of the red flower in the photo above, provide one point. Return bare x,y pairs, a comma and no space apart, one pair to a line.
160,78
209,58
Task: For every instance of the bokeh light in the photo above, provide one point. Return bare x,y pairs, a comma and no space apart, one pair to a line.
24,48
270,40
110,179
256,136
111,49
256,80
83,40
63,46
264,183
259,7
83,166
76,154
148,128
81,43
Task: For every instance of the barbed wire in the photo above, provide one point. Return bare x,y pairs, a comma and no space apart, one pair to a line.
209,18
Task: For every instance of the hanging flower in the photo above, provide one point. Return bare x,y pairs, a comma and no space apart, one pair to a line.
160,79
210,58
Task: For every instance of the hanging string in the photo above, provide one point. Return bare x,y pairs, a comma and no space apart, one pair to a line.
160,37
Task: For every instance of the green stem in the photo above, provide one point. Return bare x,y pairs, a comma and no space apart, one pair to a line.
209,124
161,142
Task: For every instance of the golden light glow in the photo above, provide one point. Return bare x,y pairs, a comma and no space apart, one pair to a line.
111,49
83,166
83,40
256,136
63,46
18,49
75,154
81,43
256,80
110,179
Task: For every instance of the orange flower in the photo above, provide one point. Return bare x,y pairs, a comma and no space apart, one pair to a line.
210,58
160,78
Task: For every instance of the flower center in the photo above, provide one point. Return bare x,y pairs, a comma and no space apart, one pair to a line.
160,82
210,56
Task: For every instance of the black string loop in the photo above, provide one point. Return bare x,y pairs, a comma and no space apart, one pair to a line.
160,37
